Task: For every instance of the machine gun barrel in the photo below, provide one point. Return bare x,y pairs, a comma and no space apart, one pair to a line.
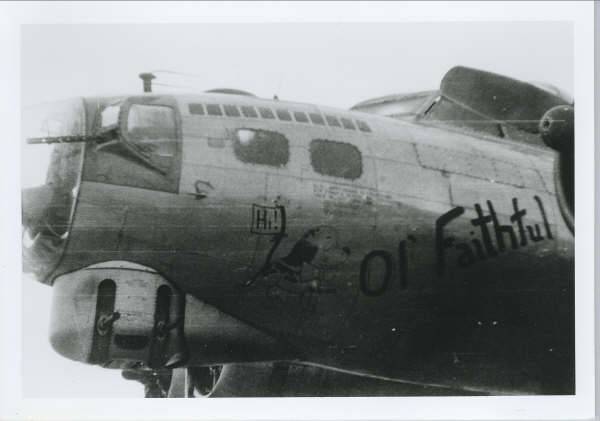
65,139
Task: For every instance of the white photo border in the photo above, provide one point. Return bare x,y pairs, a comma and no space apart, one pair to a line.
579,406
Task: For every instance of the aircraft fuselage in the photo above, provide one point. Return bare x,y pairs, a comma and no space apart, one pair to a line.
368,245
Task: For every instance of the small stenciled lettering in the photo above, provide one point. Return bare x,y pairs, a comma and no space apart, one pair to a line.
267,220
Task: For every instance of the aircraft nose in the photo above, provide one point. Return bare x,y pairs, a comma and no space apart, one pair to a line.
35,202
45,221
45,208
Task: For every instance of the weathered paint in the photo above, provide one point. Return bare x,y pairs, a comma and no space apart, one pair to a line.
502,322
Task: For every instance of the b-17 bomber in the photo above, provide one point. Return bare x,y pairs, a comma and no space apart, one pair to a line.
221,244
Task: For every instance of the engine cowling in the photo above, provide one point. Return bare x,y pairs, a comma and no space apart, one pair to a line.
557,129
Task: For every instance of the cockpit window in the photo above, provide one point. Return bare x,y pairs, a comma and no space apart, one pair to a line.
249,111
213,109
348,124
152,129
110,115
261,147
231,111
284,115
332,121
197,109
300,117
266,112
317,119
362,126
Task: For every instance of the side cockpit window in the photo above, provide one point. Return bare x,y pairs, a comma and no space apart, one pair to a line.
140,140
262,147
152,130
110,115
336,159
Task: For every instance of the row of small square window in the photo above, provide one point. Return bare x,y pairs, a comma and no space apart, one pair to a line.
283,115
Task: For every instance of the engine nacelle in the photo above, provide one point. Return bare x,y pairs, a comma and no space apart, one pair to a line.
557,128
124,315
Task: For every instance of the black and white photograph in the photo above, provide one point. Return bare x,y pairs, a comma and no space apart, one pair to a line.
351,208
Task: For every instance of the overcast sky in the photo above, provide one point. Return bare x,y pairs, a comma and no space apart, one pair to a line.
328,64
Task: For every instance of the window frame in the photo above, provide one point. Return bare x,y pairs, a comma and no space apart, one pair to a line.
144,172
266,113
282,112
218,107
347,123
196,106
300,120
136,144
363,126
337,142
329,118
247,110
231,111
236,141
319,116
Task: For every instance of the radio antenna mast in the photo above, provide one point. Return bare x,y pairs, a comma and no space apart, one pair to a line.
147,80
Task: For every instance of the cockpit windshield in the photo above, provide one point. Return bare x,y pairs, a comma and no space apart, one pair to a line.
153,131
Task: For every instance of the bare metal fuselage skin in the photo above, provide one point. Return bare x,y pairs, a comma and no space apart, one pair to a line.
445,262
